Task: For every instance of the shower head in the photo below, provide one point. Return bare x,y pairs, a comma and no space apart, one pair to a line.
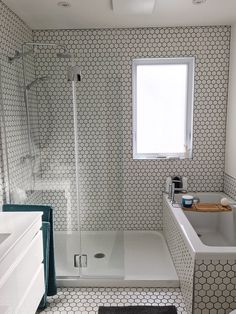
38,79
74,74
64,55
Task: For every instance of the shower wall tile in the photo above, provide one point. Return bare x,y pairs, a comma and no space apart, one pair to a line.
58,201
17,174
117,192
181,256
230,185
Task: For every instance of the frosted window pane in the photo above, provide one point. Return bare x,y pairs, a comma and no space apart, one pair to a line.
161,108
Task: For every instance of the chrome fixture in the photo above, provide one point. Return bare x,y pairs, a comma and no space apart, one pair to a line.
19,55
74,74
175,190
38,79
80,260
175,187
64,54
99,255
28,157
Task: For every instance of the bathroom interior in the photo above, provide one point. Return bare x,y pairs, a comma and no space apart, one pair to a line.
82,135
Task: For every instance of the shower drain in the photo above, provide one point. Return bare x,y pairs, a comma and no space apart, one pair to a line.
99,255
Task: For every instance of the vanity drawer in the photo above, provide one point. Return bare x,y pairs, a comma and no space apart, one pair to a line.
33,295
18,278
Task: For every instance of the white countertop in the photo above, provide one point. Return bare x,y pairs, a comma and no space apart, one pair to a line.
13,226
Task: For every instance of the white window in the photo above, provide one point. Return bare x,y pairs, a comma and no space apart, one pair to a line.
162,107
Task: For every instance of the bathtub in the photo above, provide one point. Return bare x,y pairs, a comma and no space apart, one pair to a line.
207,234
203,249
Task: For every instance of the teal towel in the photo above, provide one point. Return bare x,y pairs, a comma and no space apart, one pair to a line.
47,217
46,249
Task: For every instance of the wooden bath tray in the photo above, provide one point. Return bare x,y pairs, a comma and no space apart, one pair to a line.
208,207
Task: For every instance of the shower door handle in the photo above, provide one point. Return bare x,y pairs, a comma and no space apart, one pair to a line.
80,260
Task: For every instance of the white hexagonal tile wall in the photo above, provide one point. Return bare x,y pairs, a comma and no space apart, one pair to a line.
117,192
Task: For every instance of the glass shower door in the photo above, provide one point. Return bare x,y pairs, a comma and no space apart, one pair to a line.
40,144
60,153
59,180
101,200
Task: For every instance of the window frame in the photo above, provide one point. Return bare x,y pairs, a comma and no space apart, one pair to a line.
190,62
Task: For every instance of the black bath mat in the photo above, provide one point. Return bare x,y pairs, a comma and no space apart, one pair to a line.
137,310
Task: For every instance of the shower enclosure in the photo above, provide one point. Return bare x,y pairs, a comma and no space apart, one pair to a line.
44,160
63,145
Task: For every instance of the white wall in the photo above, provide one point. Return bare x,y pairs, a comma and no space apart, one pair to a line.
230,153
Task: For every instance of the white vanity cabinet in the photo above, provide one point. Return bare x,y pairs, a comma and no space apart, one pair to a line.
21,267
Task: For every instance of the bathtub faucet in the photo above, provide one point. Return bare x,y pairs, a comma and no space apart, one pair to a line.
173,190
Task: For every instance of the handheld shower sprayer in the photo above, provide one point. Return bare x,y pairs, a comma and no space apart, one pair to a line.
74,73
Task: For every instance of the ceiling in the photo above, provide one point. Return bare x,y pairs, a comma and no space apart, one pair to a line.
46,14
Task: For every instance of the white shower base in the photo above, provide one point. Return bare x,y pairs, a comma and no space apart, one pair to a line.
132,259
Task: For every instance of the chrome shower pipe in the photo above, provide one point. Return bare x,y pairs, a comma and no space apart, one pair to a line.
5,147
49,45
38,79
44,44
29,135
18,55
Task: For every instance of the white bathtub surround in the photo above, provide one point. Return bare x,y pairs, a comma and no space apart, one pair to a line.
214,286
181,254
208,235
132,258
209,239
87,300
